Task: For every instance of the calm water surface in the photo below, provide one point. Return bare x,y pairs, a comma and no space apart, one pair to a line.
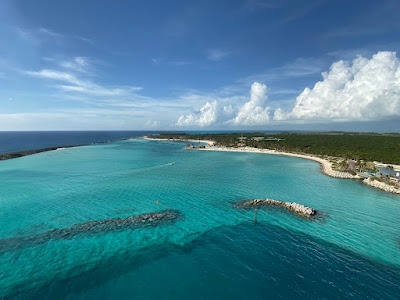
215,251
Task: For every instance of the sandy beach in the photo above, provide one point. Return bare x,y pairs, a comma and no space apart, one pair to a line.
326,166
208,142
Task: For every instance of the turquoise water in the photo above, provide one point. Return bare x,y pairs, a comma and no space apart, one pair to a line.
352,249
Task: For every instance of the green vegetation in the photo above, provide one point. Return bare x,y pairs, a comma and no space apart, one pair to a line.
358,146
384,180
24,153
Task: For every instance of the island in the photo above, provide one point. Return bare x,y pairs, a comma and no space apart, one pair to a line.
22,153
371,157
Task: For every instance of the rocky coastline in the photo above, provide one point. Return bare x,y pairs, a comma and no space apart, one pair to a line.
337,174
382,186
292,206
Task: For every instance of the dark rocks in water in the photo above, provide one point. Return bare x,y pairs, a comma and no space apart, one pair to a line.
293,206
92,227
12,155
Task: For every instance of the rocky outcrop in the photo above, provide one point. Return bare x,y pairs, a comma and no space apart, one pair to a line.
382,185
293,206
339,174
92,227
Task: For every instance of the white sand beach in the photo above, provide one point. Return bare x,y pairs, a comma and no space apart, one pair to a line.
208,142
326,166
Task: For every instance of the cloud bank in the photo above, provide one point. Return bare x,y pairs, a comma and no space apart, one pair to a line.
205,117
250,113
357,91
363,90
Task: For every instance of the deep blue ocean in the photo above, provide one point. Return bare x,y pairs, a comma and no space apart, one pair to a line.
214,251
12,141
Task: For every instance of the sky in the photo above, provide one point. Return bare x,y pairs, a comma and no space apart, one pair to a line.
200,65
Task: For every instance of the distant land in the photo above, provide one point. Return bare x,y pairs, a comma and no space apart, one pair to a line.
382,147
372,157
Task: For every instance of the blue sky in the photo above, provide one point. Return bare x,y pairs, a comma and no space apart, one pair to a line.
178,65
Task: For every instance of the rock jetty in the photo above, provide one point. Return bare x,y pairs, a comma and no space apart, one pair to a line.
338,174
293,206
381,185
92,227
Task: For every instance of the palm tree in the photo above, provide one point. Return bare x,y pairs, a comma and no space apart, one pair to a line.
343,164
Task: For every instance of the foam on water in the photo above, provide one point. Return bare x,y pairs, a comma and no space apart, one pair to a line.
59,189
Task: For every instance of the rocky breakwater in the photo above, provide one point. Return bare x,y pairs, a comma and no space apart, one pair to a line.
382,185
91,228
293,206
327,169
339,174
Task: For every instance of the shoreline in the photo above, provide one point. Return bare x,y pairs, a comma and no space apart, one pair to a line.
208,142
326,166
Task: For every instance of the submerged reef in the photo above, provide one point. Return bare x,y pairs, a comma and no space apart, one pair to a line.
92,227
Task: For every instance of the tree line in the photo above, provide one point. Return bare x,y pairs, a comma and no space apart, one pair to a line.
359,146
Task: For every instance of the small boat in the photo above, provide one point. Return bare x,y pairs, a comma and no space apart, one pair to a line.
172,163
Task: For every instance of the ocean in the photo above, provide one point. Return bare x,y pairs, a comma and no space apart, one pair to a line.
214,250
13,141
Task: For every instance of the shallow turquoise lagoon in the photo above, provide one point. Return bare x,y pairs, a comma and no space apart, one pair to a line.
351,250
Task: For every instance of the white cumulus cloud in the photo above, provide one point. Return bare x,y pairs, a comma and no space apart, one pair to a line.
361,90
254,111
206,116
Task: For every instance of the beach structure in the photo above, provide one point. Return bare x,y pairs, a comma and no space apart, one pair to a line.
351,164
242,141
191,146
